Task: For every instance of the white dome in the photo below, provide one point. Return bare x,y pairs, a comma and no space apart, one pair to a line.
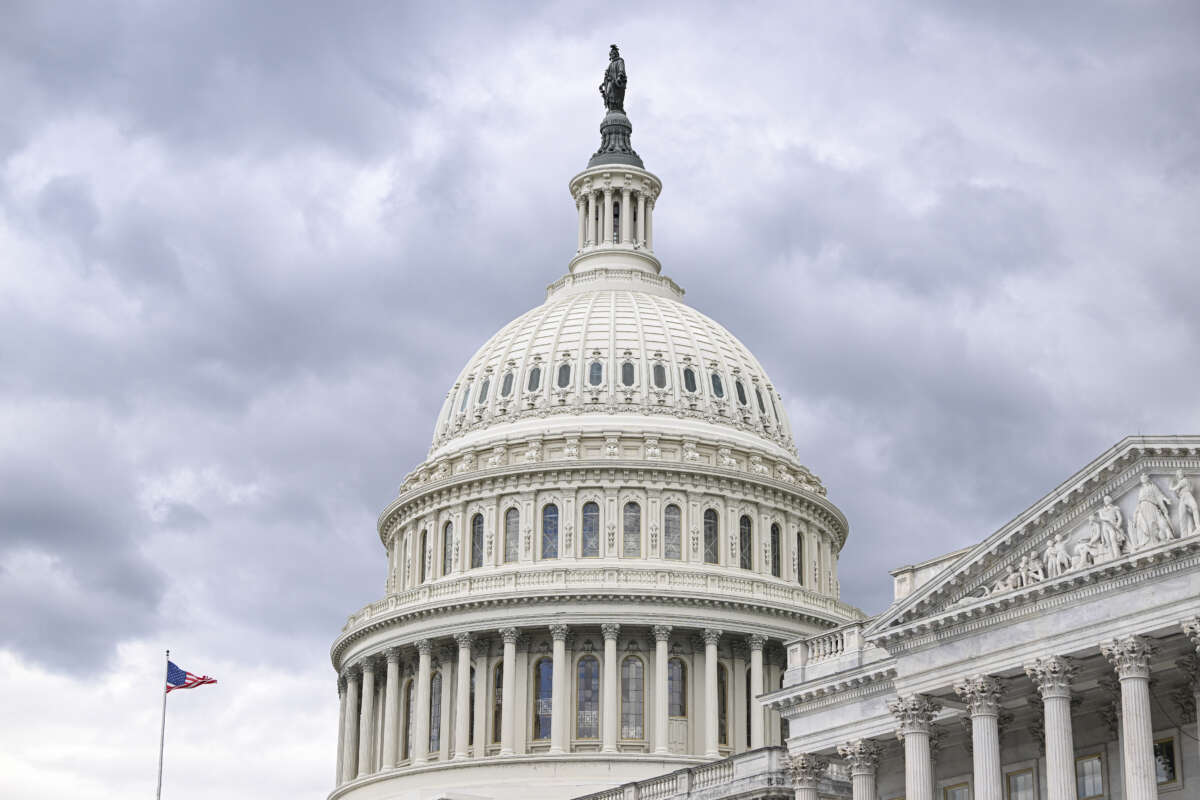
614,356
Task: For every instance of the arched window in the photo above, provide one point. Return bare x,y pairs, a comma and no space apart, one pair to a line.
660,376
590,540
631,531
466,397
595,373
506,384
632,698
749,706
543,683
616,231
435,712
717,386
676,688
409,709
477,541
550,531
498,702
587,698
689,379
672,532
722,704
421,556
447,548
745,546
512,535
471,724
762,409
776,556
741,392
483,390
535,379
564,376
711,538
798,557
627,373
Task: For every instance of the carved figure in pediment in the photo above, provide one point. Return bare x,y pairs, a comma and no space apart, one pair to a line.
1085,553
1056,560
1010,581
1151,522
1030,571
1111,521
1189,514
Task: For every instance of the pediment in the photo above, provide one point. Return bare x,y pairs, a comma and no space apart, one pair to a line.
1132,506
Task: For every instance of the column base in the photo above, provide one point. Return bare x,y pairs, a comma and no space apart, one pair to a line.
506,752
556,751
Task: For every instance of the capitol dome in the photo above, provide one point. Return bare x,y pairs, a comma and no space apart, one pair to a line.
596,568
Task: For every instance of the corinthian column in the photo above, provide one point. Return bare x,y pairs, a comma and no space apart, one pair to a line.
591,219
610,631
462,700
757,722
391,708
1052,676
366,719
420,747
641,219
662,635
862,756
581,207
350,741
1191,629
558,690
1130,657
915,713
508,706
341,745
711,637
982,696
607,216
806,774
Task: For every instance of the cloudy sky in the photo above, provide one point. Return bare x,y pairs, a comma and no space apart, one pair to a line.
245,248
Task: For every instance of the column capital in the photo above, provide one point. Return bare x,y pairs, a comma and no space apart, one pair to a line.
982,695
662,633
610,630
424,646
712,635
807,769
367,663
351,671
914,713
756,641
464,640
341,685
393,655
1052,676
1130,656
510,635
558,632
1191,629
862,755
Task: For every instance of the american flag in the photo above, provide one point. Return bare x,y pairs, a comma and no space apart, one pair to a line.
181,679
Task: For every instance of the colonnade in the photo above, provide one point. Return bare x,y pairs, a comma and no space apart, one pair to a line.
597,227
1052,677
402,737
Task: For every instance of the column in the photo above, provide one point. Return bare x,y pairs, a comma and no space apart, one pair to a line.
581,207
1053,675
509,691
558,690
711,747
650,227
366,719
341,745
350,753
483,684
757,722
1191,629
1130,657
862,756
982,696
462,700
591,219
641,219
608,691
806,774
607,216
626,214
915,713
420,748
391,709
662,636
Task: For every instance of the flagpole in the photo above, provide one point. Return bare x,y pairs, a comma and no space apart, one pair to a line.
162,734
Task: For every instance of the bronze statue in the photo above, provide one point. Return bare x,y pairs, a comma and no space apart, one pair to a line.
613,88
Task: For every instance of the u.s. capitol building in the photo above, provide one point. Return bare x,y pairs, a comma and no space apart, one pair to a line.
613,575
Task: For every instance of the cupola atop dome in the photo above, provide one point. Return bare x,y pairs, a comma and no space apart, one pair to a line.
616,128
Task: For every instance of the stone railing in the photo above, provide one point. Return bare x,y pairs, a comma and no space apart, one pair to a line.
821,655
762,773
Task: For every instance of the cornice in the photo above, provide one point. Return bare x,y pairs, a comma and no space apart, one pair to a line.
838,689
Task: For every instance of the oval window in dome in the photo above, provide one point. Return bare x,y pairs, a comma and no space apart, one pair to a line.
689,379
741,392
595,373
718,386
483,390
506,385
466,396
564,376
627,373
660,376
762,409
535,379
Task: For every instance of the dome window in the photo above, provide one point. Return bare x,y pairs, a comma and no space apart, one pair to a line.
595,373
741,392
535,379
564,376
689,379
483,390
506,384
660,376
718,386
762,408
466,396
627,374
